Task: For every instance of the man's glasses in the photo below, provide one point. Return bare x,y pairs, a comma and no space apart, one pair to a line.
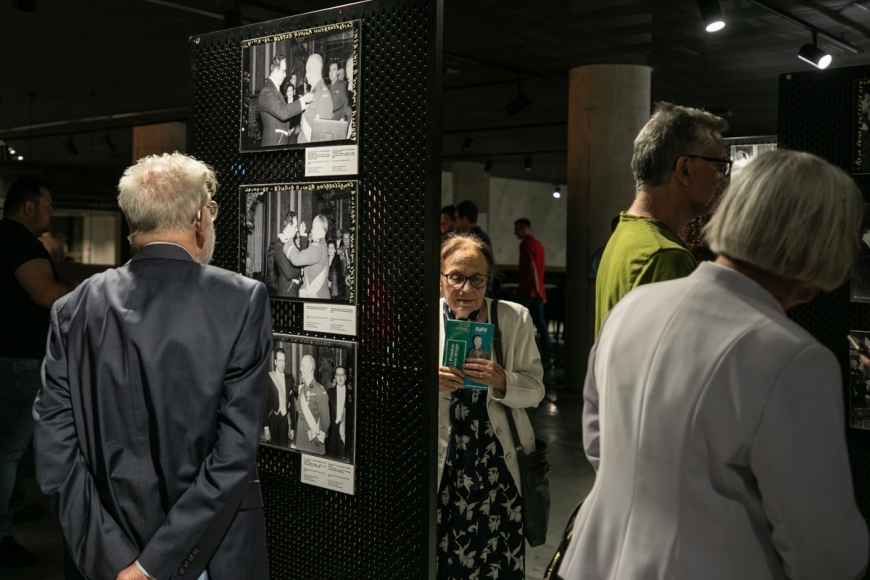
457,281
213,208
723,164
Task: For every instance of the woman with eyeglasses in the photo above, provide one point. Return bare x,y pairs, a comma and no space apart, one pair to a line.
480,520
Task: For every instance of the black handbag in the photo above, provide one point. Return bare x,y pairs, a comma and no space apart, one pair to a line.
556,560
534,468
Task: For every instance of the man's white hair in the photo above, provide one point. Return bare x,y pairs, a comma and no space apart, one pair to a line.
314,62
323,221
792,214
162,193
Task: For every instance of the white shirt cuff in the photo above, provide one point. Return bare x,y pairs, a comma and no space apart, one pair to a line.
141,569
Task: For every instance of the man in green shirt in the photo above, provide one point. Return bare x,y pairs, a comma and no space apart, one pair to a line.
680,165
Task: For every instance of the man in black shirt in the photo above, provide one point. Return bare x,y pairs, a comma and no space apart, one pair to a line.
465,220
29,285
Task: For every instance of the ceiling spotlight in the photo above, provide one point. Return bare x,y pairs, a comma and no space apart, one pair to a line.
70,147
527,164
25,5
21,158
106,140
557,193
711,14
11,151
466,145
519,103
488,166
814,55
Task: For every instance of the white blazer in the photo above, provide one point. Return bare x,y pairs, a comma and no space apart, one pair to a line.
717,428
525,385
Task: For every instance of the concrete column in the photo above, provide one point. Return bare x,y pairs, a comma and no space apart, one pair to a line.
159,138
471,182
607,106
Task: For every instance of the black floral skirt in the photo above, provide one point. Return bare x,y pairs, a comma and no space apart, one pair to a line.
479,520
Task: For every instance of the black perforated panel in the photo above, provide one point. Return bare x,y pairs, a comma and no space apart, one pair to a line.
385,530
816,114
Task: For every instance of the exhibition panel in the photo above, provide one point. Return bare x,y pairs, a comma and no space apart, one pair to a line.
821,112
336,185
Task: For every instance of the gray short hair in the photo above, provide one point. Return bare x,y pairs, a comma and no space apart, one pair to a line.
792,214
673,131
162,192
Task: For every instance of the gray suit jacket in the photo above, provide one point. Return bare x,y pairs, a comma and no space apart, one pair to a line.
146,428
716,426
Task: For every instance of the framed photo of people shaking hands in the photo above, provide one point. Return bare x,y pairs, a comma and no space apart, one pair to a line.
299,239
301,88
311,397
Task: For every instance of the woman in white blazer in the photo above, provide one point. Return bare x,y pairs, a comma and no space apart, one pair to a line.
479,521
714,421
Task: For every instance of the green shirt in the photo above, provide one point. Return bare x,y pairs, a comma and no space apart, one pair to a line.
641,250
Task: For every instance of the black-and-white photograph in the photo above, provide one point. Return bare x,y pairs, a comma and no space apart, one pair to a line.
860,283
859,382
311,397
301,88
301,239
861,141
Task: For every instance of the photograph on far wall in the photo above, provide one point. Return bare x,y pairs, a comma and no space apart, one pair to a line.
859,383
301,88
859,286
300,239
861,139
311,397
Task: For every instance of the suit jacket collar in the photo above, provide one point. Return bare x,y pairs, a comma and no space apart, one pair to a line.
162,250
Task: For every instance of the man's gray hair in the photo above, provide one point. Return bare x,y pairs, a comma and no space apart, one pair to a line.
792,214
162,193
673,131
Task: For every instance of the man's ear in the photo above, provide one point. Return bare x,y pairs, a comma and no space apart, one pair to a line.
682,170
199,224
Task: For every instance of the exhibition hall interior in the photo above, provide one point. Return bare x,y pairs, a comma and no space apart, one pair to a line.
513,119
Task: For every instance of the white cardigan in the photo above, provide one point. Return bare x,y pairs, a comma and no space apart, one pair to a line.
525,387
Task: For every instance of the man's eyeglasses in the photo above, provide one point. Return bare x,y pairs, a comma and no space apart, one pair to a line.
457,281
213,208
724,164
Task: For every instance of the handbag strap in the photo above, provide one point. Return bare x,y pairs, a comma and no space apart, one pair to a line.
499,357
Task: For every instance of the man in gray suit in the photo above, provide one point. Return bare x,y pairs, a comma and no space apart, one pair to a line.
147,452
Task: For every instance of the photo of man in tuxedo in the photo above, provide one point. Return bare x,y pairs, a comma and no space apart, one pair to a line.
341,409
275,112
280,404
288,277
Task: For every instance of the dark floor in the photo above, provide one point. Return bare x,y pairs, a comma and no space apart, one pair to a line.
556,420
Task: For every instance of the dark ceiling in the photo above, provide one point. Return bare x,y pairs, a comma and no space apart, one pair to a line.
78,70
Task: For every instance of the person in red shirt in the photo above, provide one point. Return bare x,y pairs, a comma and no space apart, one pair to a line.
531,291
